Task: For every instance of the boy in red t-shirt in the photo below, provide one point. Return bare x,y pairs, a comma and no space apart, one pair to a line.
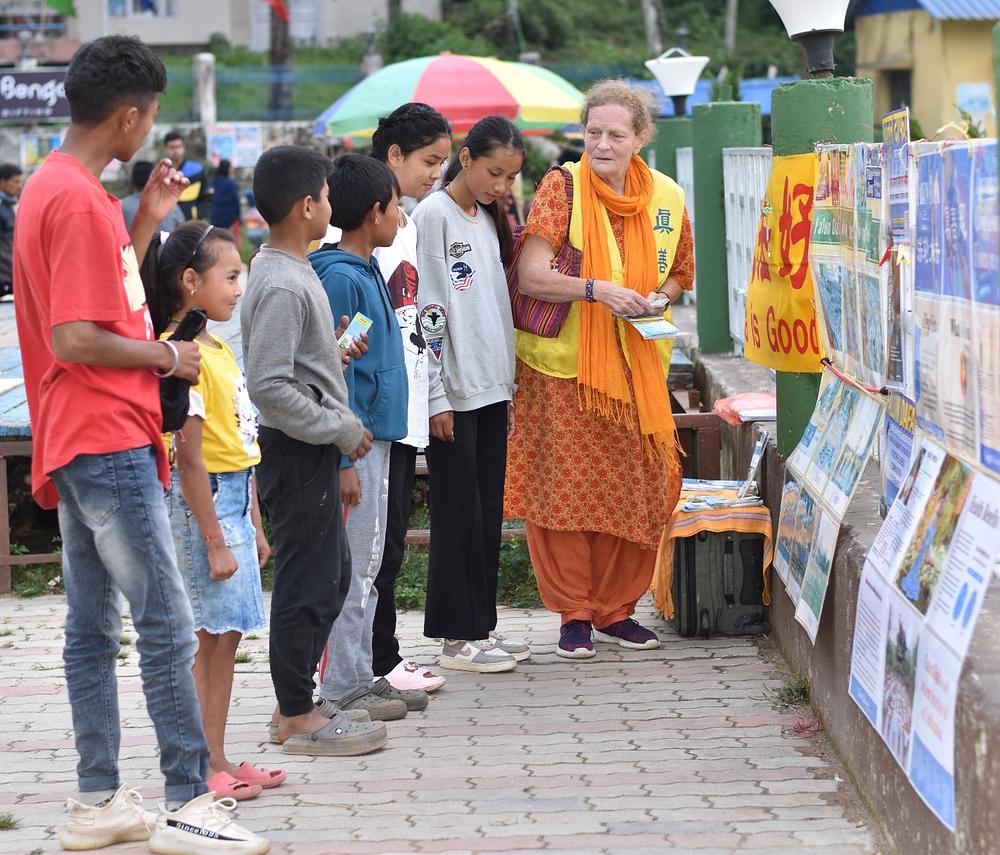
90,370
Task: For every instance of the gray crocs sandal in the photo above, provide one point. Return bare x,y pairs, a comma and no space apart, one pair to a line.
415,699
329,711
339,738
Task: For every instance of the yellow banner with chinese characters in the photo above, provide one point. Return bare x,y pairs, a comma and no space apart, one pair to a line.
780,329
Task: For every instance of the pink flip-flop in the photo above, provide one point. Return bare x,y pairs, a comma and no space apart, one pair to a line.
225,785
264,778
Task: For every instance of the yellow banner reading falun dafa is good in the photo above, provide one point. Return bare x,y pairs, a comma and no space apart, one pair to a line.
780,329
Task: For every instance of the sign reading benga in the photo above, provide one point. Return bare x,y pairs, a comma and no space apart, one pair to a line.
27,97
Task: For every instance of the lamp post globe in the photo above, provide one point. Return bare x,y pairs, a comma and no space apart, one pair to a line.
677,72
814,24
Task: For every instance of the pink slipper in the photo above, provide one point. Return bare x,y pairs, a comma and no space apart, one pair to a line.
264,778
225,785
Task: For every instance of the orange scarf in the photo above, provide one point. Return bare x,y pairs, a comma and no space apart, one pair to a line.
601,372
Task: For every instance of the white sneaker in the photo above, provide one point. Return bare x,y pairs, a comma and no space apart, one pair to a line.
482,656
518,649
204,824
121,819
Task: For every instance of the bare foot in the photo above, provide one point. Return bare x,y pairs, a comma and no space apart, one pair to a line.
309,723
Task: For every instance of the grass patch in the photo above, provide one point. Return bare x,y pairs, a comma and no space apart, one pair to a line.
242,658
5,632
122,655
33,580
124,641
252,636
795,690
8,822
515,586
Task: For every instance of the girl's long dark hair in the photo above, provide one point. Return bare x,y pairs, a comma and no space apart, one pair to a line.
165,263
486,135
410,126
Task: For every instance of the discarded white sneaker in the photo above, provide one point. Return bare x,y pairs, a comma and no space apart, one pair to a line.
120,819
204,825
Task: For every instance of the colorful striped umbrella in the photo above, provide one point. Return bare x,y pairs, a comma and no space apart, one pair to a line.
463,88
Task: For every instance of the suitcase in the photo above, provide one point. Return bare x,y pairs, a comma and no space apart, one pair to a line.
718,584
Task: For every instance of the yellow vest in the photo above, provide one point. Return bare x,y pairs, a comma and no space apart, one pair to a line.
557,356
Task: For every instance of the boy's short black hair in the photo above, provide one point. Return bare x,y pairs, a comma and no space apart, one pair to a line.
284,175
358,182
9,170
109,72
173,136
141,170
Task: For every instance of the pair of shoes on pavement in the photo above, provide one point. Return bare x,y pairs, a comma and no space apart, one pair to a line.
576,637
384,702
203,825
491,655
409,675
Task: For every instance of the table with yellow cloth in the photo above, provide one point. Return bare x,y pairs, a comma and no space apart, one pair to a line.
753,519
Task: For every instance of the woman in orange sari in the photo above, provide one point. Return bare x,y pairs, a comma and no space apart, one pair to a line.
593,467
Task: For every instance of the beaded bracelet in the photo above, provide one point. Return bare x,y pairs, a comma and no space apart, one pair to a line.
589,292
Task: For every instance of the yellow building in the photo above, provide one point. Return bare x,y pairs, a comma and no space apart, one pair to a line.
933,56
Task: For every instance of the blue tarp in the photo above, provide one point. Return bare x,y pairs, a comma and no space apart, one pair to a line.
946,10
752,89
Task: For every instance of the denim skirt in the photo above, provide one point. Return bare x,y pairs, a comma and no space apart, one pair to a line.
233,604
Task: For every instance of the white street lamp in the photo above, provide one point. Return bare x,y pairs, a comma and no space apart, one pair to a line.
677,72
814,24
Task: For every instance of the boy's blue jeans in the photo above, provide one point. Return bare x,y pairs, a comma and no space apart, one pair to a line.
116,540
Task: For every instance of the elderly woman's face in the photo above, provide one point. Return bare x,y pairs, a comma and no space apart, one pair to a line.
610,141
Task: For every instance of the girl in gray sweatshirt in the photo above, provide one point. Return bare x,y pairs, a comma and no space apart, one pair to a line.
463,243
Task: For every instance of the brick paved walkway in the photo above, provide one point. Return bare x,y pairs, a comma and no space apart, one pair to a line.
678,749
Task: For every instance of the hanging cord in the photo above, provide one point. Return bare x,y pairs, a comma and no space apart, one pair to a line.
871,390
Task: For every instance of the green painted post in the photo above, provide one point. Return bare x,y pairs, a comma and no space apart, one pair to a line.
719,125
833,109
671,134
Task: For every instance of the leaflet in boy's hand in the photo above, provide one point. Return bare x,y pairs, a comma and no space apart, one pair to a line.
653,327
359,324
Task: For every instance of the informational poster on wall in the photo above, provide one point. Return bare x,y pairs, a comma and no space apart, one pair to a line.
241,143
848,245
897,446
921,591
821,477
896,267
946,389
986,298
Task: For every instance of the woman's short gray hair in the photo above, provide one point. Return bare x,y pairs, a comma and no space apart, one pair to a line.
638,102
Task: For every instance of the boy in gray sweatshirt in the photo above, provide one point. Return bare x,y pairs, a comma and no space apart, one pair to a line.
294,371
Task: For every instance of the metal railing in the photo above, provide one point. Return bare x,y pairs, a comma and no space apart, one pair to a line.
685,177
745,173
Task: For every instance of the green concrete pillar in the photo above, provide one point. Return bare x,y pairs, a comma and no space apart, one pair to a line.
719,125
832,109
671,134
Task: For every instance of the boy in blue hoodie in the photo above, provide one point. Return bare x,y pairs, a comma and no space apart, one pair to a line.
364,194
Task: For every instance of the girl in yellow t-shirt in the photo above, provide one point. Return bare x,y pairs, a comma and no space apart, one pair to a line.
213,499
